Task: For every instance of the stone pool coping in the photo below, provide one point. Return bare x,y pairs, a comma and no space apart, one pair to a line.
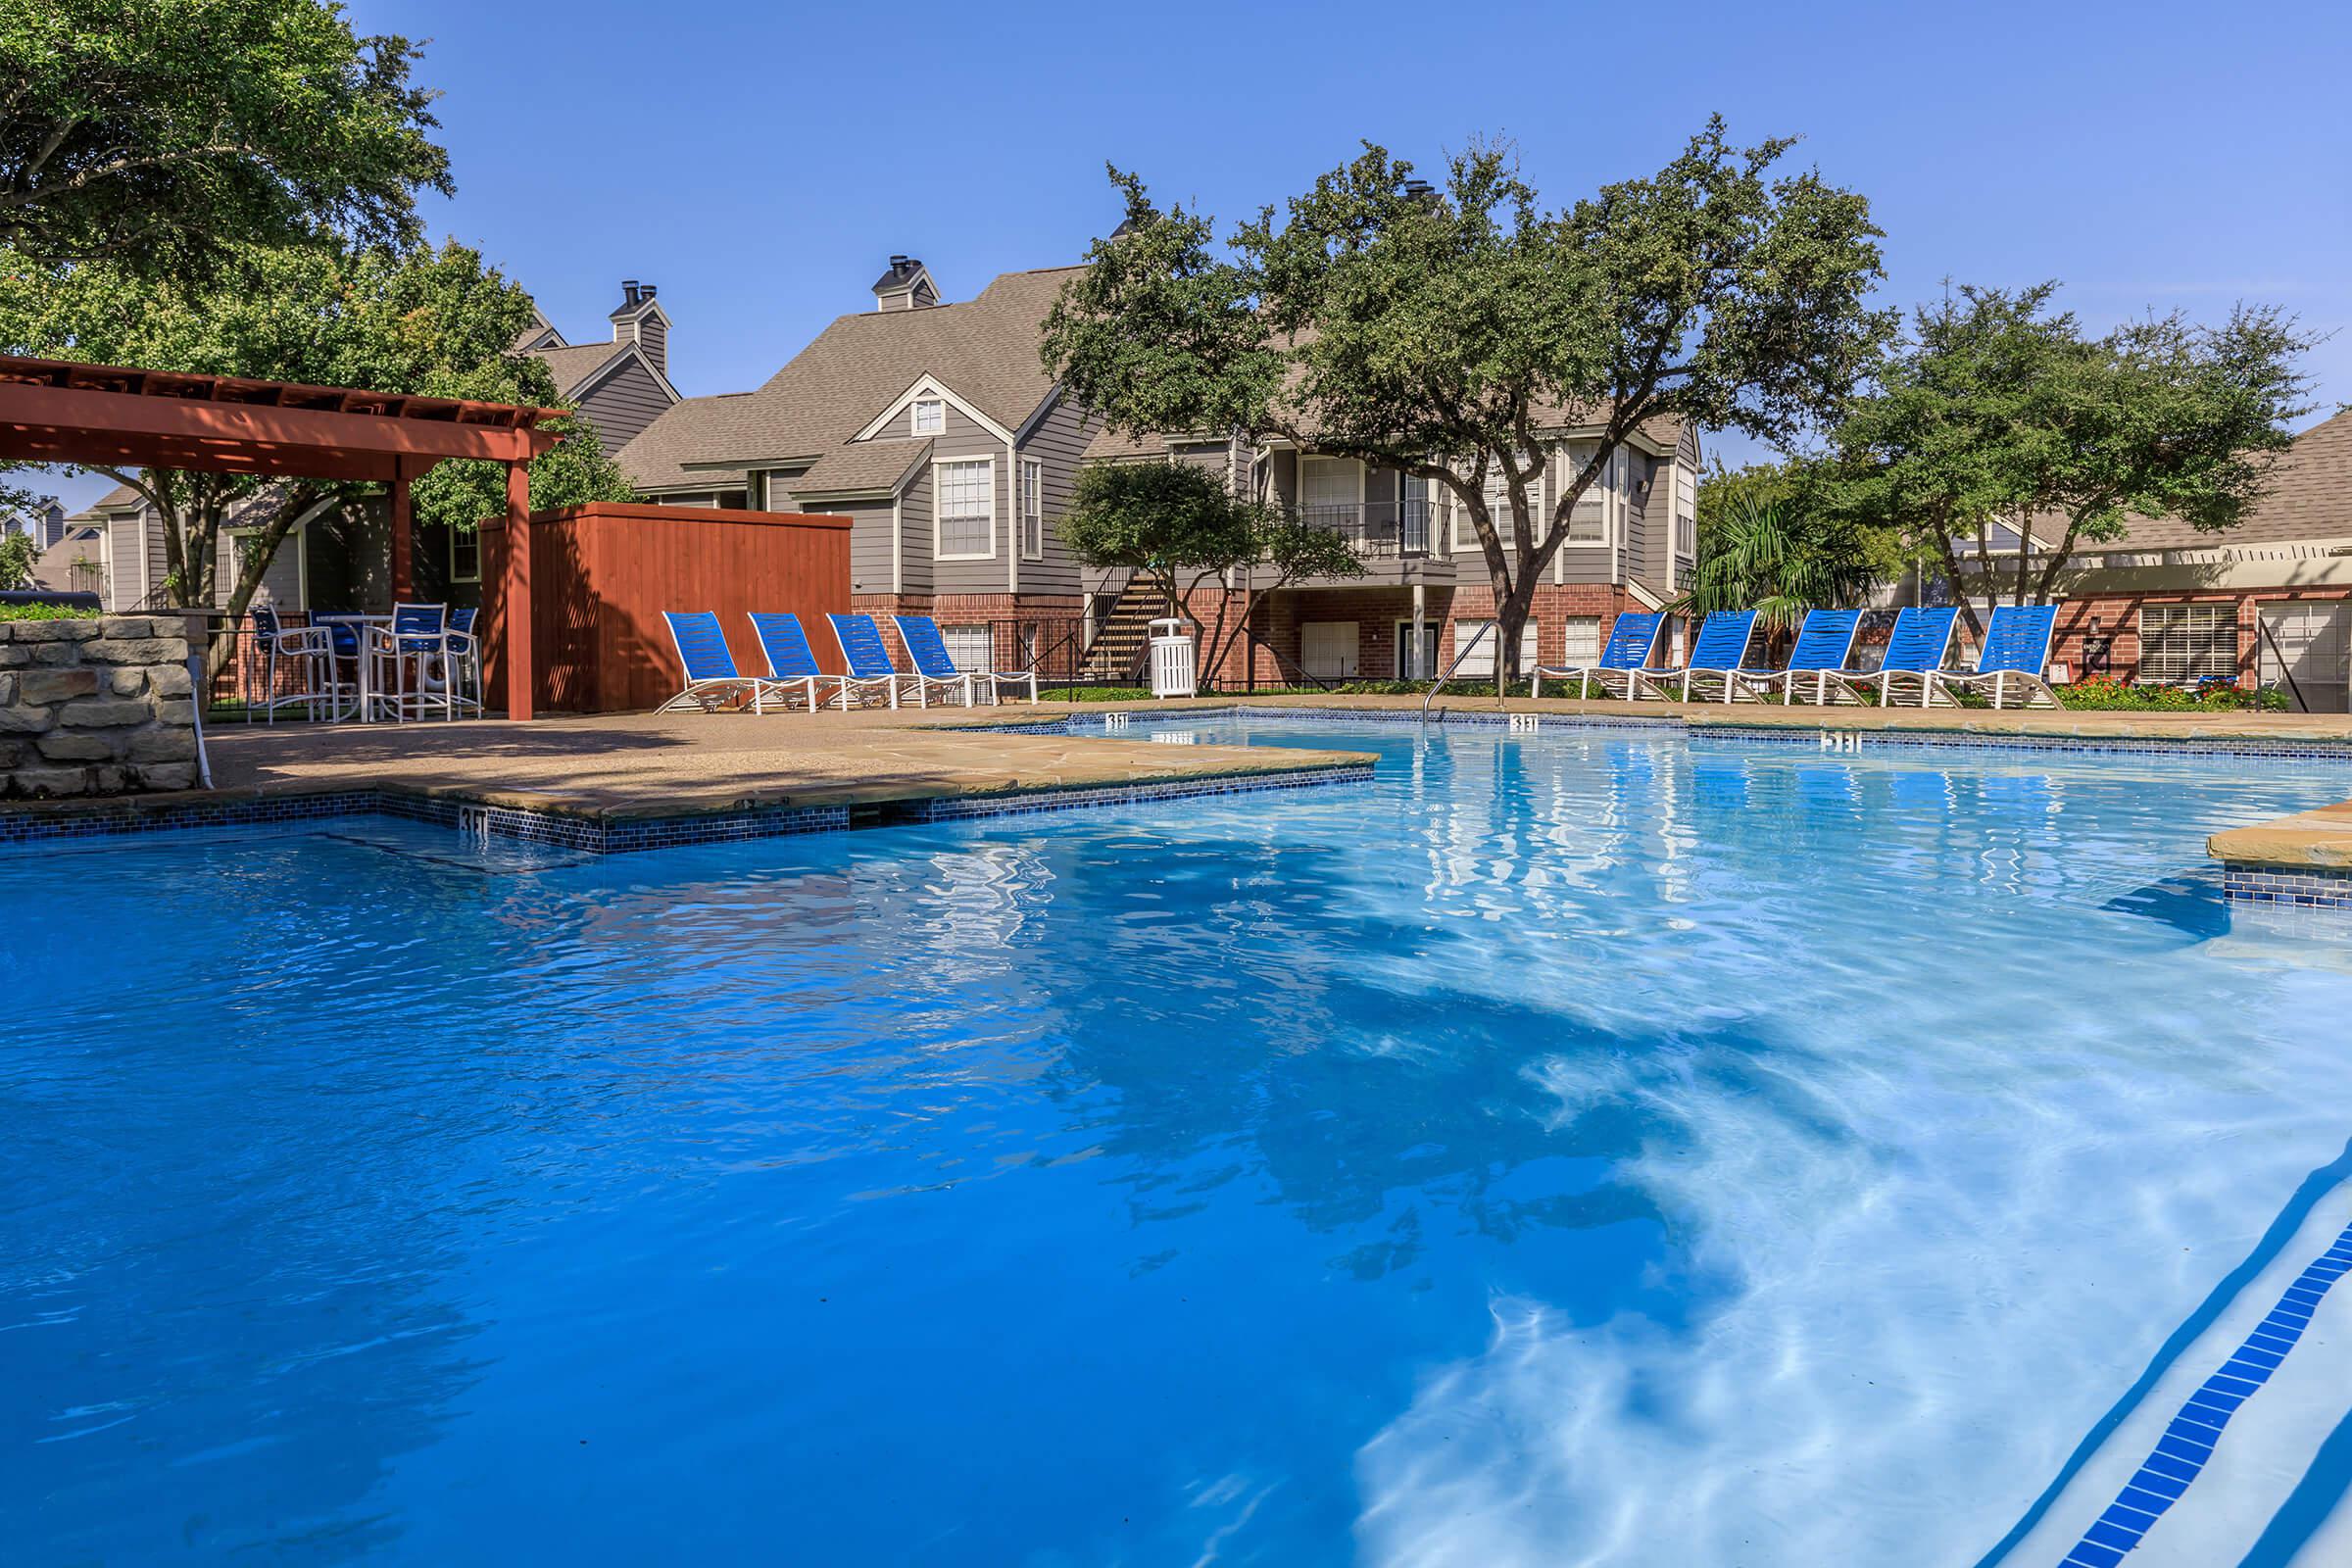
641,782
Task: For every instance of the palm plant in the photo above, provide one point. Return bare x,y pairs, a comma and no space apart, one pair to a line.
1779,560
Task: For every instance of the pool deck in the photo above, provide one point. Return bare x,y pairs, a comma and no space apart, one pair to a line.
637,768
647,765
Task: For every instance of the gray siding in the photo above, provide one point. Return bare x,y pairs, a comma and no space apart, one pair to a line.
281,579
622,404
914,524
1645,536
870,543
1059,441
126,579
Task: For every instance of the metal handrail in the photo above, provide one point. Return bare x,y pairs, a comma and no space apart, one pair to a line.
1460,655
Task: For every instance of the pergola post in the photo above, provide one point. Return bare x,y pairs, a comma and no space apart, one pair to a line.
516,591
404,578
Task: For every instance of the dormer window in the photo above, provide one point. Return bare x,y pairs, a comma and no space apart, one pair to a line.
929,417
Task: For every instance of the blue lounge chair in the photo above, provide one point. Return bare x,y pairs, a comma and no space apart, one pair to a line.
1721,650
791,661
1633,639
1915,653
869,661
2017,647
929,650
1824,642
711,678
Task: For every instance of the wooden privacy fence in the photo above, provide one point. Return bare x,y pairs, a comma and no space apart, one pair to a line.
602,575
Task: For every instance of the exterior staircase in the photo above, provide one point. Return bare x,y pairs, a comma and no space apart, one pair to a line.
1116,655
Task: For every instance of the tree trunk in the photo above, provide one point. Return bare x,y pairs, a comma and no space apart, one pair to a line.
2056,562
255,567
1952,571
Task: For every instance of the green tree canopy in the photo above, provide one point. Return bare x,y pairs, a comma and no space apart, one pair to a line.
1999,408
17,558
1178,527
157,135
1454,335
431,322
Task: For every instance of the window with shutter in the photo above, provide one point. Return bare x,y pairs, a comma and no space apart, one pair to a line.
2183,643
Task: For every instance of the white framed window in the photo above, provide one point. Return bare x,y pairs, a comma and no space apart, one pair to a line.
964,492
2182,643
1480,660
1588,518
970,646
1582,645
1033,510
927,416
1327,649
465,554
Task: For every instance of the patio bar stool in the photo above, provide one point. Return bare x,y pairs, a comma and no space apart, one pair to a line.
312,648
408,660
465,663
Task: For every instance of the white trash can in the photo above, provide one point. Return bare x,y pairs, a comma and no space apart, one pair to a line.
1173,672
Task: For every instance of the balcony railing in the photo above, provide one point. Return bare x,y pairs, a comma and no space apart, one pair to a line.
1380,530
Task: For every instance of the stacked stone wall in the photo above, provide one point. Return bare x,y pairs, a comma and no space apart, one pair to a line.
96,707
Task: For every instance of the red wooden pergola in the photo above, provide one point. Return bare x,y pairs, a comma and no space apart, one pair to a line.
57,410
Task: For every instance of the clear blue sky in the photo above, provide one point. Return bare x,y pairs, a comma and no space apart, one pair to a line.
760,162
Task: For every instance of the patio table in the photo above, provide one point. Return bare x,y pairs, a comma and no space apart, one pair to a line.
363,709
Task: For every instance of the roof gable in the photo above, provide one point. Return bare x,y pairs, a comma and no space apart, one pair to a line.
986,349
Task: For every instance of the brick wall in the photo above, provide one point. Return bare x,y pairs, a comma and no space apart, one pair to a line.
1378,613
1049,624
2115,618
96,707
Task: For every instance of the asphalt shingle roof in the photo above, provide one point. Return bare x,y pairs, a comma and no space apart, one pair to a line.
2309,497
862,466
984,350
573,367
654,460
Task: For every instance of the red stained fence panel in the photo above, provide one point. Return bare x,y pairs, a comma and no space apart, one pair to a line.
602,575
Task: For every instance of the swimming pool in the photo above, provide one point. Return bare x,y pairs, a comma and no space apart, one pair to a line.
1599,1148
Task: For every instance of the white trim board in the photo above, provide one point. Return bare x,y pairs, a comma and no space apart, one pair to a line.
928,386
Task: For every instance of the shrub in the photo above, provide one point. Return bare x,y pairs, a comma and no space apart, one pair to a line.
45,613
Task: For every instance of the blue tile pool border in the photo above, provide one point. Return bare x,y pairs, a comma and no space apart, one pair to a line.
2300,887
2227,747
618,835
2195,1431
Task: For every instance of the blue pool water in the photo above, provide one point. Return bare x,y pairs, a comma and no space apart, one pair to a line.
1580,1149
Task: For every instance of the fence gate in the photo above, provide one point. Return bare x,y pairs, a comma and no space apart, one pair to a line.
2316,642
